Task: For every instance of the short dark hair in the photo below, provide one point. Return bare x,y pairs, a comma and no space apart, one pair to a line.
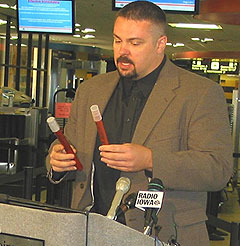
144,10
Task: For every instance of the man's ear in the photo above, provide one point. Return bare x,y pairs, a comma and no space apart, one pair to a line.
161,43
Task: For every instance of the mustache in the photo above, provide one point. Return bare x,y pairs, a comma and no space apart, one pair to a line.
124,59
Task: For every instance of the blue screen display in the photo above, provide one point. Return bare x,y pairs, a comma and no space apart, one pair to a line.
46,16
168,5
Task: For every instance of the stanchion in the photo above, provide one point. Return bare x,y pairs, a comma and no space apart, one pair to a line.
28,182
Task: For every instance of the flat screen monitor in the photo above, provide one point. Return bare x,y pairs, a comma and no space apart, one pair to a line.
45,16
169,6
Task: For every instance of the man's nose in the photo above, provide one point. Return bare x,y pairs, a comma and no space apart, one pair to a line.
124,49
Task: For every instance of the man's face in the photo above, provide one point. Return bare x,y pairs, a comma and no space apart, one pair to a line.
138,47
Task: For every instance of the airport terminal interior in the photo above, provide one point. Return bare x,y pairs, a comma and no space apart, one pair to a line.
42,67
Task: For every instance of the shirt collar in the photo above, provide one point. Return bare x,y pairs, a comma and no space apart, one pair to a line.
146,83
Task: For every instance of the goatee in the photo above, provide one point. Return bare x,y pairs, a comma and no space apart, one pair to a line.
130,75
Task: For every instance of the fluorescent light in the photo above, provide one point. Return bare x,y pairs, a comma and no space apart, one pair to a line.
169,44
87,30
14,37
206,40
77,25
196,26
77,36
88,36
77,29
2,22
178,45
2,5
14,7
195,39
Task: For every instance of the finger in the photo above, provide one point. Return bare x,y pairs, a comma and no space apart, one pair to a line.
117,163
62,163
117,148
61,156
58,148
74,150
114,156
64,169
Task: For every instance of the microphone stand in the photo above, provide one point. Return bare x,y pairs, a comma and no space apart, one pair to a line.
148,228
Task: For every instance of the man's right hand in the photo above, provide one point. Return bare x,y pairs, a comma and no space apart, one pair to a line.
60,160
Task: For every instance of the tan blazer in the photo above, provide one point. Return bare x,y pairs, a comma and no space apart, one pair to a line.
185,123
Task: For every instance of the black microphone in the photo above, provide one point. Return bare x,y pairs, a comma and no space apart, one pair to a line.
155,185
129,203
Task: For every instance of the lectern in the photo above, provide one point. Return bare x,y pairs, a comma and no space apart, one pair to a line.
24,226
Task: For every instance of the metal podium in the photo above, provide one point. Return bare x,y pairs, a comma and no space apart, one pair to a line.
24,226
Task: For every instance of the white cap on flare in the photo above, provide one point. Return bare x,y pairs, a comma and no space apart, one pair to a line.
95,113
53,124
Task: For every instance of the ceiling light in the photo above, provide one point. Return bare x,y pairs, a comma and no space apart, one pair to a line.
88,36
206,40
87,30
12,27
14,37
77,29
169,44
2,5
14,7
2,22
195,39
178,45
196,26
77,24
77,36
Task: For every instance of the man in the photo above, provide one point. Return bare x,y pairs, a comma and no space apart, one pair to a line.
161,121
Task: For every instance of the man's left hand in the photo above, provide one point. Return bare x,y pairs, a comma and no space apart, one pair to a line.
126,157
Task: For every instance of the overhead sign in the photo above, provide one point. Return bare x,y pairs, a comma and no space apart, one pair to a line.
215,66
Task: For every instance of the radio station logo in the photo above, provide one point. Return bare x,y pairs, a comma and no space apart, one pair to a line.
149,199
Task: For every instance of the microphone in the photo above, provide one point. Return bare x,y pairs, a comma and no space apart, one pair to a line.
122,187
53,125
155,186
129,203
97,117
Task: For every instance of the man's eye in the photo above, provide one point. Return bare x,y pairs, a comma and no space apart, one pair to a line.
135,43
117,41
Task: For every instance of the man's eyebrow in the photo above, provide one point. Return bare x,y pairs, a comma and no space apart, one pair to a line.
129,39
135,38
116,36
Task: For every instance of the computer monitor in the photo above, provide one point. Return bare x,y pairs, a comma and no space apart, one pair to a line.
46,16
169,6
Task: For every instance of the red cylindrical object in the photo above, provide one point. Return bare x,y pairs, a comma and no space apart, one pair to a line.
68,148
97,117
102,132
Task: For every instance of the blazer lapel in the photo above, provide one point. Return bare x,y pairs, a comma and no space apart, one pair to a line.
159,99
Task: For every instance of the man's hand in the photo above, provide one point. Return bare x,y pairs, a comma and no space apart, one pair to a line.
60,160
126,157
